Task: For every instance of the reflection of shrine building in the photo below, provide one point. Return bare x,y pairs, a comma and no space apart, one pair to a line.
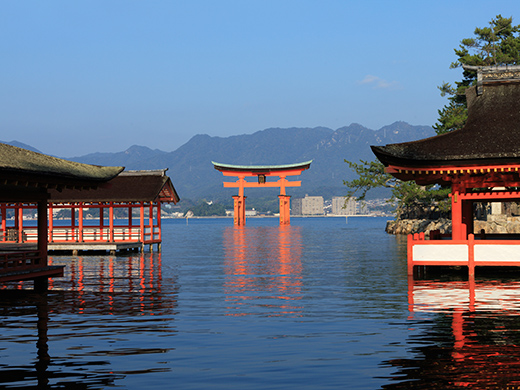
126,293
263,270
110,285
473,341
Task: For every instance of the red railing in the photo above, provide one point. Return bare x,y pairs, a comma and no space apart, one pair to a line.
67,234
474,251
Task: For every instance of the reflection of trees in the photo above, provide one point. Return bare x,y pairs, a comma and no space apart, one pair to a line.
263,270
472,342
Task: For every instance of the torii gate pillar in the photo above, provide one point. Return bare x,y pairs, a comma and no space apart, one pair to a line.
285,209
262,172
239,209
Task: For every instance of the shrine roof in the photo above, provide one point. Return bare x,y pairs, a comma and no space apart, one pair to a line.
26,175
17,160
129,186
491,134
261,168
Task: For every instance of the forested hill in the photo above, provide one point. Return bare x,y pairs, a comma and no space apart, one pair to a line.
194,176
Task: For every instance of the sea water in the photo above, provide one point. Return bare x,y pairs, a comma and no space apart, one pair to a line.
322,304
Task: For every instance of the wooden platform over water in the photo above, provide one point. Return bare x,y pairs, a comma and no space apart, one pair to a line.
111,247
87,247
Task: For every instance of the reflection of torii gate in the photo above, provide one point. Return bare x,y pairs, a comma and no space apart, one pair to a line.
262,172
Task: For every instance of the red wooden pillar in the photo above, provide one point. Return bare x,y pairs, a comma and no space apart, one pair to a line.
4,222
285,209
409,245
101,221
111,221
19,212
458,229
73,222
150,221
130,208
471,256
51,223
141,224
159,227
80,222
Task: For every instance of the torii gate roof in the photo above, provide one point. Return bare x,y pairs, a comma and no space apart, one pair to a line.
262,168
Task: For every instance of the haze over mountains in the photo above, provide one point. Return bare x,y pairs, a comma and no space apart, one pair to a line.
194,177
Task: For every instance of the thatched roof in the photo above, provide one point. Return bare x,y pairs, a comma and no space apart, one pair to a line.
26,176
26,165
491,134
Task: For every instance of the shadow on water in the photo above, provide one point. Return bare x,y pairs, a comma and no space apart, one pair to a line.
463,334
86,322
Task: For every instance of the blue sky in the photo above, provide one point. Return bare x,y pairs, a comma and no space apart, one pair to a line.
86,76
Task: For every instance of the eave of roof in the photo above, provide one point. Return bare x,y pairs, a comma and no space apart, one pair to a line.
129,186
261,168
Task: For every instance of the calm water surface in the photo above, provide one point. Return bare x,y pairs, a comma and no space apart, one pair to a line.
320,304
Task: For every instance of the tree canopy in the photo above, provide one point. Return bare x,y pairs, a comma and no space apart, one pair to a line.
497,44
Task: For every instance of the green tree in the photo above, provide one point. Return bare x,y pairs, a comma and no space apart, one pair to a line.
205,209
497,44
408,198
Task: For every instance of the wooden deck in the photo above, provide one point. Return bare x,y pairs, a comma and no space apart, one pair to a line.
27,265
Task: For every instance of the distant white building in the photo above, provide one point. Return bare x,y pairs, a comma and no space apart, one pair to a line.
342,206
361,208
310,205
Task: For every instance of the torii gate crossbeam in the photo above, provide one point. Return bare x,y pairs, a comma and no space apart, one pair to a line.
262,172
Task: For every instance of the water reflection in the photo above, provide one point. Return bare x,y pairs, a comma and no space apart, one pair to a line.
465,334
263,268
87,326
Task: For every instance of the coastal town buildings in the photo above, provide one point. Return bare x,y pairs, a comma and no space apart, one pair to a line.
343,206
310,205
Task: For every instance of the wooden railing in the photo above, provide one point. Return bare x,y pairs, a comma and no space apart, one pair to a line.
472,252
20,261
64,234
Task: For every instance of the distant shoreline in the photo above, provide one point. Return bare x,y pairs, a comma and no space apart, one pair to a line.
277,216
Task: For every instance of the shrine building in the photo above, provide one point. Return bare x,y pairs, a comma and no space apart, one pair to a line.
125,214
262,173
28,177
480,162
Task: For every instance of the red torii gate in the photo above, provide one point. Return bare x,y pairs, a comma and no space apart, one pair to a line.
261,172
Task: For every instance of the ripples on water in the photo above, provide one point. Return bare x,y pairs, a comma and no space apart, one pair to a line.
319,304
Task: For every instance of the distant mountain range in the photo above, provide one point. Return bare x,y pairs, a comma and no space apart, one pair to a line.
193,175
